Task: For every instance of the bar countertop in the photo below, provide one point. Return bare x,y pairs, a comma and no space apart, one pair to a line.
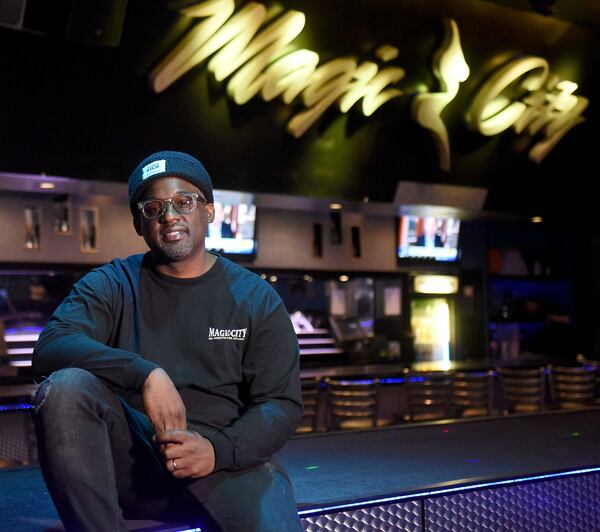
391,369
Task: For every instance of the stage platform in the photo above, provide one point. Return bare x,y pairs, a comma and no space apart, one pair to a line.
522,473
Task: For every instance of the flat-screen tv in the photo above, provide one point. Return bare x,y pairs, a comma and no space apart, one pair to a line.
428,238
233,231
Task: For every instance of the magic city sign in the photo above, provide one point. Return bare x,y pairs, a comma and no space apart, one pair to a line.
245,45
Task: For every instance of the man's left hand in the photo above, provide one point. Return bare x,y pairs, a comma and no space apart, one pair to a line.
187,454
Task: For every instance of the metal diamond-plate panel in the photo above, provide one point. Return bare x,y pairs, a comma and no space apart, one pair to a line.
400,516
555,505
17,438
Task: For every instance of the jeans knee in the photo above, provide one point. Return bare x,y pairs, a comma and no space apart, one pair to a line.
63,389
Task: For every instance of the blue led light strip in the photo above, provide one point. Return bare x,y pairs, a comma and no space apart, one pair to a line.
392,380
442,491
21,406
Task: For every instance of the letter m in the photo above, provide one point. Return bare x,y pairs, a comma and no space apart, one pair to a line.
216,32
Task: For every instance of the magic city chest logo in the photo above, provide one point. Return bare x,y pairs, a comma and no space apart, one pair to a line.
227,334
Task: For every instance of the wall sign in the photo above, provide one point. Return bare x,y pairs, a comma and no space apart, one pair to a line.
245,45
549,106
451,69
436,284
261,64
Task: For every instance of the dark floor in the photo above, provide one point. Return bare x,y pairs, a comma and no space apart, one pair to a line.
344,467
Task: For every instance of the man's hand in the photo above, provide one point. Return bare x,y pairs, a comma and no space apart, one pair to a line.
163,403
187,454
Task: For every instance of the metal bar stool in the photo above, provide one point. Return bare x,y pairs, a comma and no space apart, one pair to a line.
473,393
522,389
310,399
428,394
572,387
352,404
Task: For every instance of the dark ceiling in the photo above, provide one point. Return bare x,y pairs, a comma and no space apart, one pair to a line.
585,12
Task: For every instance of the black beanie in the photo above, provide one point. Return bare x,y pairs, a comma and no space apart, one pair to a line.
168,164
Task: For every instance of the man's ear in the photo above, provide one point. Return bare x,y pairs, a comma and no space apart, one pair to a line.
210,213
136,224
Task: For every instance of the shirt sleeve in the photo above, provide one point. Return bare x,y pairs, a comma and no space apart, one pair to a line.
271,373
80,332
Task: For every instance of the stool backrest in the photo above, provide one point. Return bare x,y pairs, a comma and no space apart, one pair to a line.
572,386
352,404
428,394
473,393
310,399
522,389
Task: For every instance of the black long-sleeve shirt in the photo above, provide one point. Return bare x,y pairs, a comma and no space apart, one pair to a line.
224,338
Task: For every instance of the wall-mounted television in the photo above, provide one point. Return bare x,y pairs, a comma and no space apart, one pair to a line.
428,238
233,231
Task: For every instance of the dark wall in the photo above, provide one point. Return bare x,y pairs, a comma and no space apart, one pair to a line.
74,109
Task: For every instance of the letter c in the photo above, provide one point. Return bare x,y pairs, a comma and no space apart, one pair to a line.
491,113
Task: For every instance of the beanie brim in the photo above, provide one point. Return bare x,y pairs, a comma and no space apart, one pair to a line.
168,164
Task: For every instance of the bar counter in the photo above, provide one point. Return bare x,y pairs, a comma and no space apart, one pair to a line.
383,369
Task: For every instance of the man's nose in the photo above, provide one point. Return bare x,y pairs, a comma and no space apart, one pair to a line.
170,212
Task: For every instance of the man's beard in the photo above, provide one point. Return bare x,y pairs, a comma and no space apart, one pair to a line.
175,250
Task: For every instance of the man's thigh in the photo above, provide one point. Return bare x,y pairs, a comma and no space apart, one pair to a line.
259,499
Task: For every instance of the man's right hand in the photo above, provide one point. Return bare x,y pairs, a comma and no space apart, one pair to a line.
163,403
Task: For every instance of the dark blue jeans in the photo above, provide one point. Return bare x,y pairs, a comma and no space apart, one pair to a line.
101,467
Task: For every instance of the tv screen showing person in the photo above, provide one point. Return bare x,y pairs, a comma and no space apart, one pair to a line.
428,237
232,231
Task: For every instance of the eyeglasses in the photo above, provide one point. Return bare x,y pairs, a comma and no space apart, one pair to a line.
182,202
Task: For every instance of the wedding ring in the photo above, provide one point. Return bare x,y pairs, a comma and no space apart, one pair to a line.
174,464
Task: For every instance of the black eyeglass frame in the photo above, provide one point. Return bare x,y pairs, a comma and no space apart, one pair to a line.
198,197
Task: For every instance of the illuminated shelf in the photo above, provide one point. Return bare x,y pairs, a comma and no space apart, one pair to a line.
322,351
315,341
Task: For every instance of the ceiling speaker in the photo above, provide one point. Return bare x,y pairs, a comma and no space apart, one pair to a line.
12,13
97,22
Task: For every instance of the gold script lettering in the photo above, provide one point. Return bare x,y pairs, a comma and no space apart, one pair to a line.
451,69
491,112
260,63
549,106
